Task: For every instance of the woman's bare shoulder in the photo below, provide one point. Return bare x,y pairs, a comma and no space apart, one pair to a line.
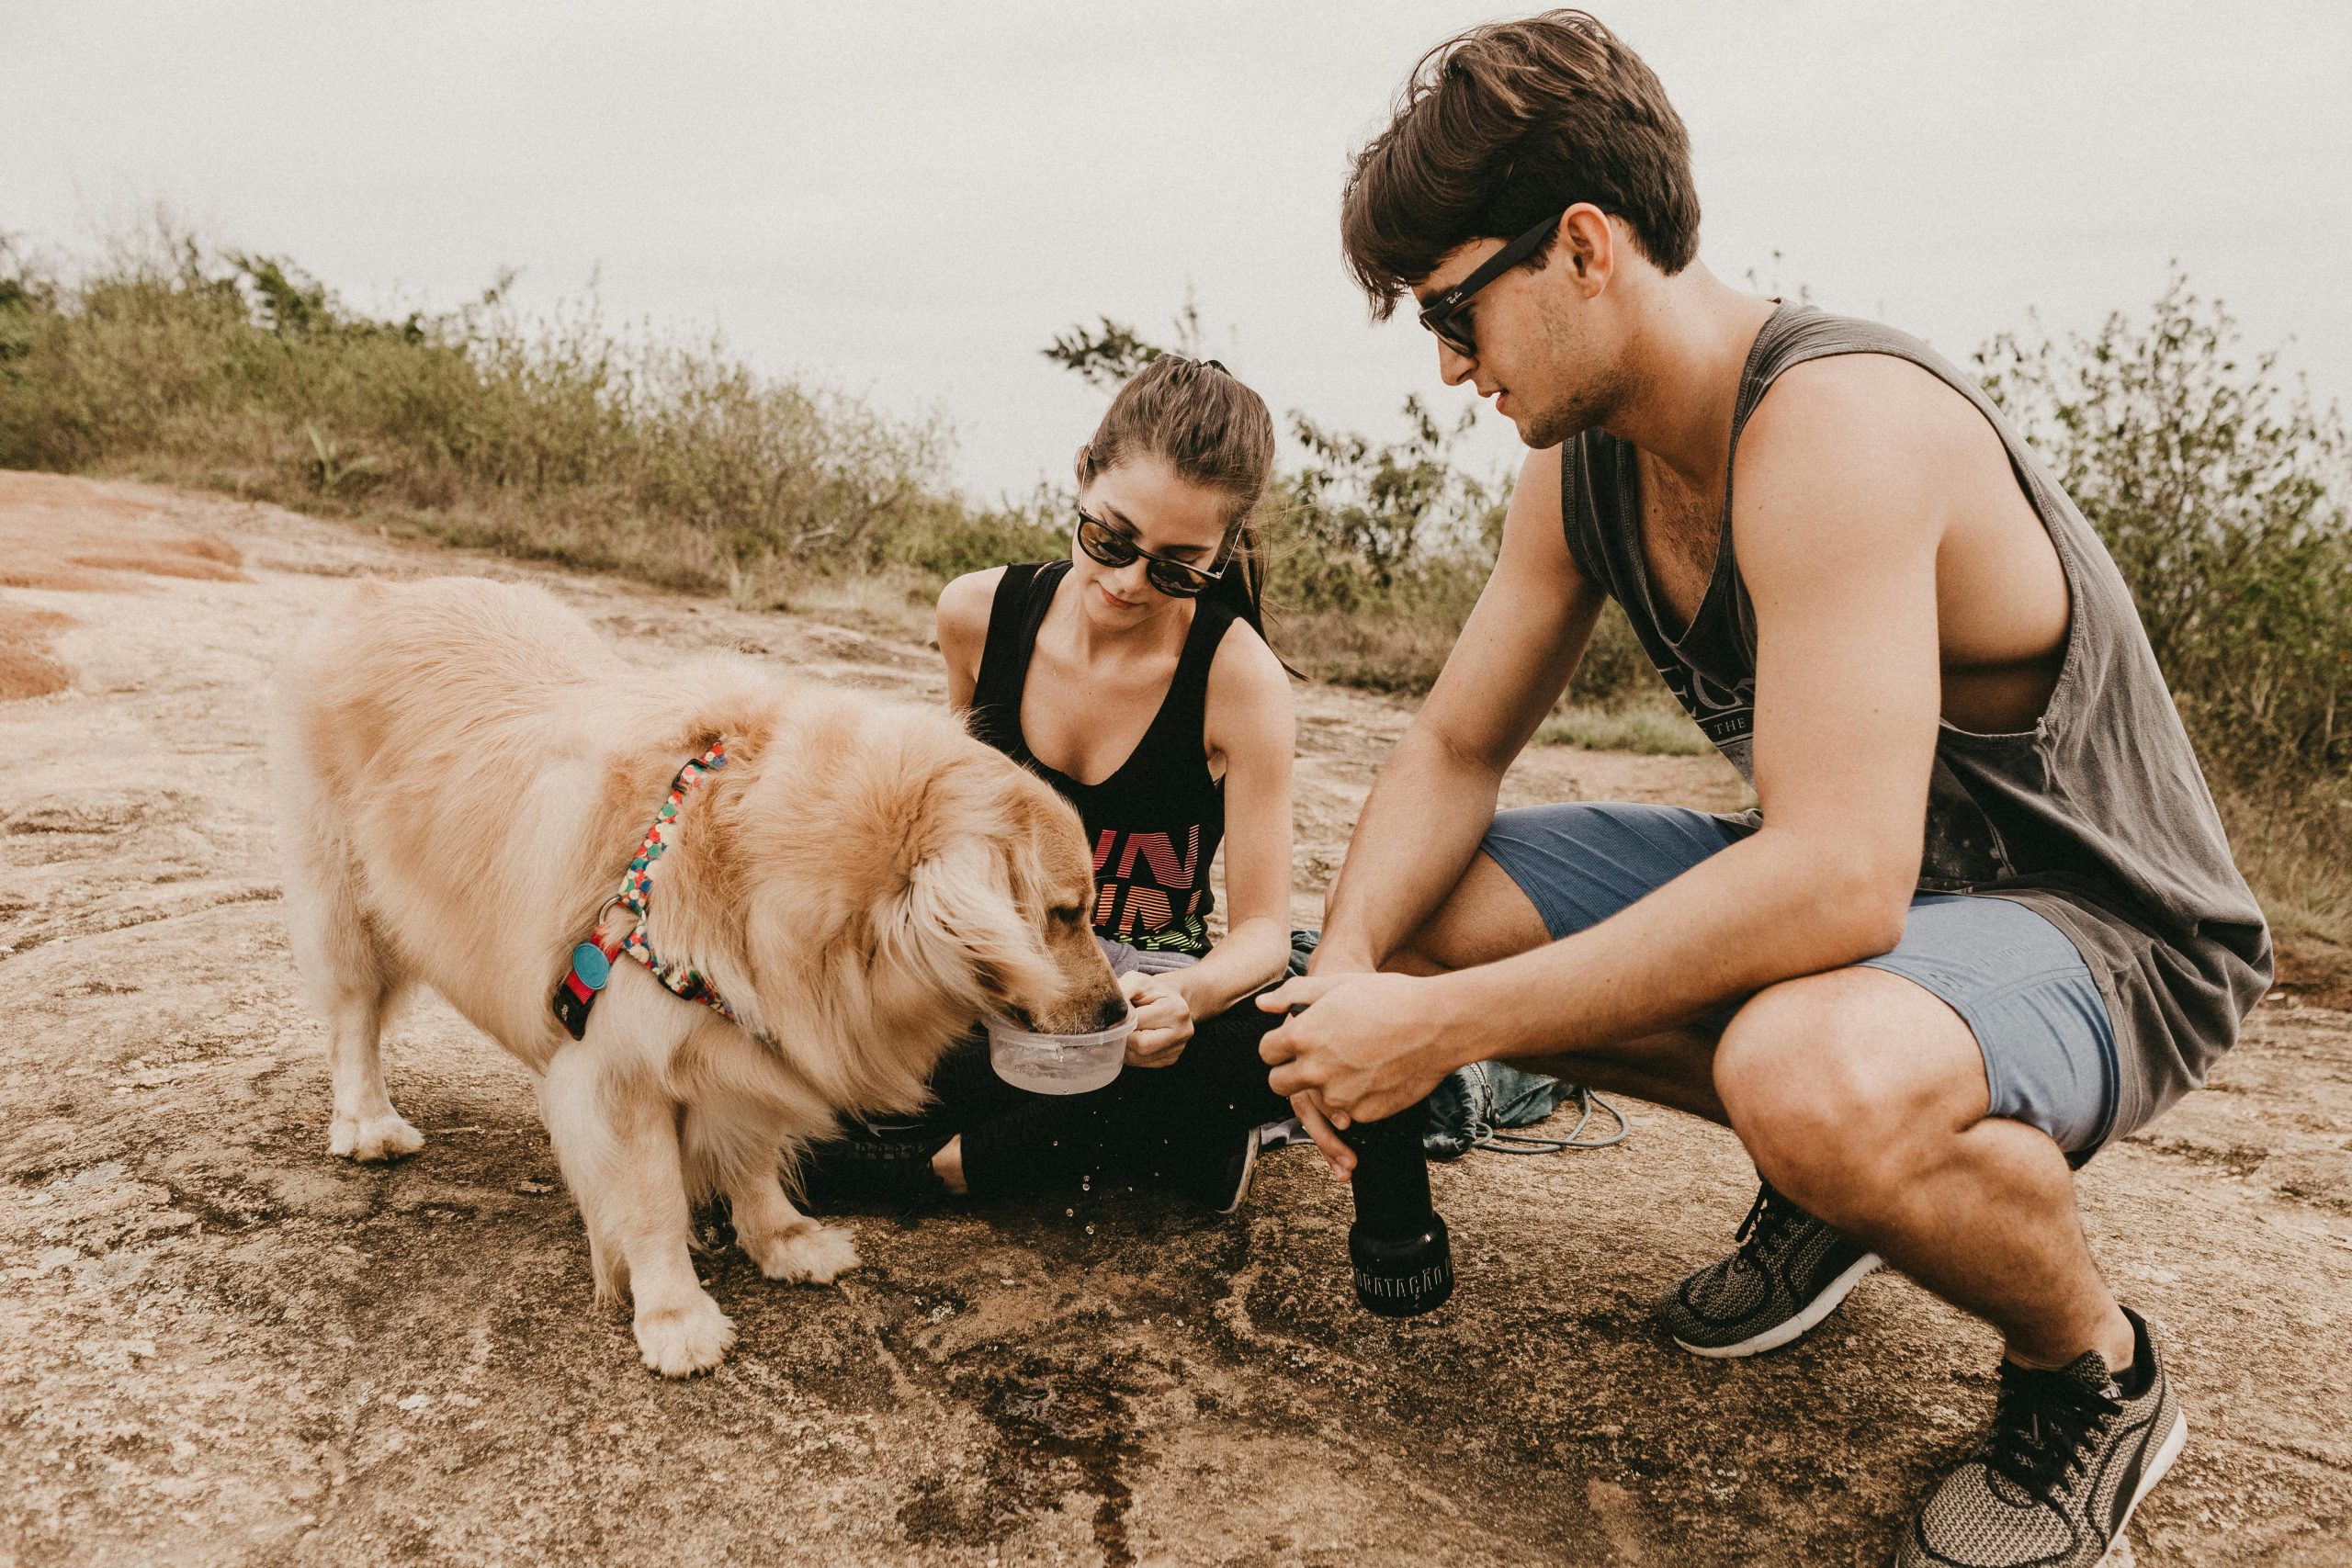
964,607
1249,688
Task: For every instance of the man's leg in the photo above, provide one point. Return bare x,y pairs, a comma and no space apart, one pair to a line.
1489,917
1864,1099
1868,1090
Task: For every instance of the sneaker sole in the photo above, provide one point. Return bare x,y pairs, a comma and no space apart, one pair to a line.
2168,1451
1248,1173
1795,1327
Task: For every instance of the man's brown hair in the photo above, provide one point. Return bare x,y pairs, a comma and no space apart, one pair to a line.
1507,124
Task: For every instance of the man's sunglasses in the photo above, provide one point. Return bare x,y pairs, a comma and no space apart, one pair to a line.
1174,578
1437,314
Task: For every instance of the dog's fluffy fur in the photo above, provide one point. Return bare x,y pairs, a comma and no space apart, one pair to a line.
466,768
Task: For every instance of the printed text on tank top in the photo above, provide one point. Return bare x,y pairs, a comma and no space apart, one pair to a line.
1155,820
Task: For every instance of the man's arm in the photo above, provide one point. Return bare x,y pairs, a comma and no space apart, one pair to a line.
1436,795
1836,528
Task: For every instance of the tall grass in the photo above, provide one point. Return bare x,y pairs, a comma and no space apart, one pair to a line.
562,439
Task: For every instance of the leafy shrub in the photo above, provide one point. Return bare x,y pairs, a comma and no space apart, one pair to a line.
2222,501
2221,495
562,439
2222,498
1658,728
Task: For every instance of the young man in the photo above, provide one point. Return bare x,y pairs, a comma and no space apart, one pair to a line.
1983,919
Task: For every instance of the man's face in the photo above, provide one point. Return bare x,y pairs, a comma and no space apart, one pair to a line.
1540,353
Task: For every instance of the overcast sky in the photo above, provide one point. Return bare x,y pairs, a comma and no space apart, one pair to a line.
907,200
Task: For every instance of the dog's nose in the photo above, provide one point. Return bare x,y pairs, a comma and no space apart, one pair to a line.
1108,1012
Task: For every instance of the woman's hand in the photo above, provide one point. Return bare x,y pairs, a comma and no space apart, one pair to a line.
1163,1020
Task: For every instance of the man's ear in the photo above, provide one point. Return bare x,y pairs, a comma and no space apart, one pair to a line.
1589,246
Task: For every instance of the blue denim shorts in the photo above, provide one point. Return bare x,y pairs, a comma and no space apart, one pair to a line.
2012,977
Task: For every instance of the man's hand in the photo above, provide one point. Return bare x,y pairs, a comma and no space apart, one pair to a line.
1329,960
1362,1047
1163,1021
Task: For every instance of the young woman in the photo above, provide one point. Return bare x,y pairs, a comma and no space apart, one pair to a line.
1135,679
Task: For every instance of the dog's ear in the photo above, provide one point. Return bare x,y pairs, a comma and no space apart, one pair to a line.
958,922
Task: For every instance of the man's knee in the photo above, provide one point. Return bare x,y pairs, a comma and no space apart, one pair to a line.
1812,1075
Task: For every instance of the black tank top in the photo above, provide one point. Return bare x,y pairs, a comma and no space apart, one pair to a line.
1156,822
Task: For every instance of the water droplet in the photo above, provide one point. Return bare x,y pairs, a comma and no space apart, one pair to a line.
1086,1183
1090,1230
1070,1213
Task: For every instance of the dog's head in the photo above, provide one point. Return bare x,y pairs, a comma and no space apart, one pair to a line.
898,879
997,895
1047,972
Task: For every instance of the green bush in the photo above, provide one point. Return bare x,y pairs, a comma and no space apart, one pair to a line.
2222,498
564,440
2221,495
1657,727
2222,501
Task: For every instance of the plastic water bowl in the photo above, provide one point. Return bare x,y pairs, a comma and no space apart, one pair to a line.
1058,1064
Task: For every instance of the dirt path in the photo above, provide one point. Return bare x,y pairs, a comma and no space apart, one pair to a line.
217,1344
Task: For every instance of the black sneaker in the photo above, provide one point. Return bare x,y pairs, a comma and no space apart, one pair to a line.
1220,1175
1790,1271
890,1166
2070,1455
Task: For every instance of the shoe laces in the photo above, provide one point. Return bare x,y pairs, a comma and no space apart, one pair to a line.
2044,1425
1769,1219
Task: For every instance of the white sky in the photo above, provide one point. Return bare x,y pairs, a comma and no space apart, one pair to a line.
907,200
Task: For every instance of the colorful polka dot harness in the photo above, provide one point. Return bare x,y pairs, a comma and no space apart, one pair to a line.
592,961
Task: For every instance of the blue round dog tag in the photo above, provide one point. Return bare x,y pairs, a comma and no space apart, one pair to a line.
588,962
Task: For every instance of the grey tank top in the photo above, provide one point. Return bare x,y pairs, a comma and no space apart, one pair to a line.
2098,818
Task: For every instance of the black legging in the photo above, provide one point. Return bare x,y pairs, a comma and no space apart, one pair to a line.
1147,1124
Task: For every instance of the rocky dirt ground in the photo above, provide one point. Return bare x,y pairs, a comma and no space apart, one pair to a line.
220,1345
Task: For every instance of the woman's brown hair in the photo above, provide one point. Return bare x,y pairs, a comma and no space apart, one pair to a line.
1504,124
1198,418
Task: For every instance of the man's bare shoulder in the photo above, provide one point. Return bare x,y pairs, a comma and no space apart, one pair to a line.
1872,414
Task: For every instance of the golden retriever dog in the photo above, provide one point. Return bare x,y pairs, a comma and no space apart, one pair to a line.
466,770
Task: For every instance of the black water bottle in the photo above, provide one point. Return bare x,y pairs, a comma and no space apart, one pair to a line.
1404,1263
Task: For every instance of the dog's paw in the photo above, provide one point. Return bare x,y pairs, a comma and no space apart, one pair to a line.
807,1253
680,1341
371,1138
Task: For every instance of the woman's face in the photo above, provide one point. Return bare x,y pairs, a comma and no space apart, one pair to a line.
1143,502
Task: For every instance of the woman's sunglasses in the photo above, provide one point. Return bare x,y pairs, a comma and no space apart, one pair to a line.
1437,314
1173,578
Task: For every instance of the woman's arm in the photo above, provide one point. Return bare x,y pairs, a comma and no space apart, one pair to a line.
964,607
1250,724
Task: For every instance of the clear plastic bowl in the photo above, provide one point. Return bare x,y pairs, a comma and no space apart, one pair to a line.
1058,1064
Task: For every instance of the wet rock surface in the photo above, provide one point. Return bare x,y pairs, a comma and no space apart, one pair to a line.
217,1344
